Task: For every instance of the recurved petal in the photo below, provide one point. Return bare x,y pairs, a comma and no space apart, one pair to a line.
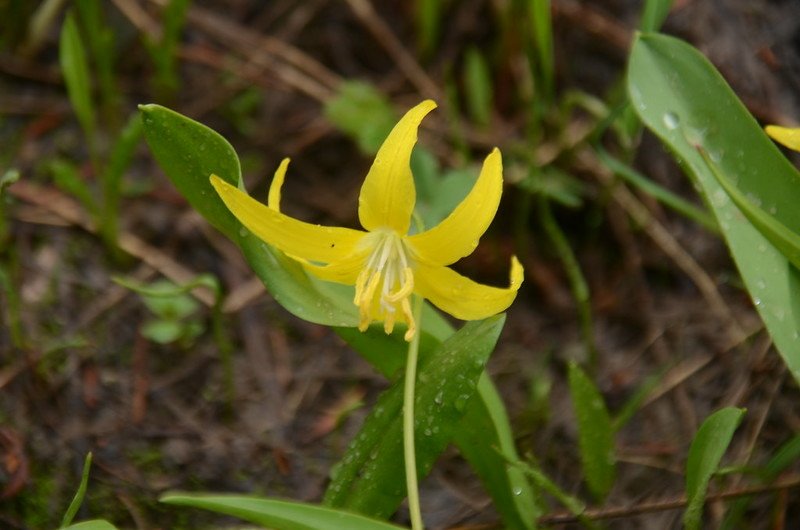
388,194
274,198
298,239
462,297
788,137
457,235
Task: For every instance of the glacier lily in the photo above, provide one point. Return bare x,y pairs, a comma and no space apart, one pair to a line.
386,263
785,135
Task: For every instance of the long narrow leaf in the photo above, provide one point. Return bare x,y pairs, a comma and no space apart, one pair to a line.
681,97
595,433
75,68
654,14
278,514
95,524
77,500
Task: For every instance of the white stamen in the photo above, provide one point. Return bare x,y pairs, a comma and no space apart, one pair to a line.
388,271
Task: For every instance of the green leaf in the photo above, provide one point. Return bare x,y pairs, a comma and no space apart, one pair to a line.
163,331
478,86
189,153
164,51
77,500
484,434
595,433
662,194
784,239
681,97
370,479
75,69
95,524
68,179
540,16
428,15
278,514
120,159
100,43
708,447
571,503
654,14
362,112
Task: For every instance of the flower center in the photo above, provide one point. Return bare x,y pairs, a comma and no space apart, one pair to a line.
384,286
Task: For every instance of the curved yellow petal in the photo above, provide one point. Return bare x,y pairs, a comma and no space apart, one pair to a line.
785,135
296,238
274,199
457,235
343,271
462,297
388,194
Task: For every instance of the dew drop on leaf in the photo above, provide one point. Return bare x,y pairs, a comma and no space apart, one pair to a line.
671,120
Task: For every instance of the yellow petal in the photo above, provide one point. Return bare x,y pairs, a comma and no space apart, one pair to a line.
388,194
457,235
342,271
462,297
274,199
296,238
788,137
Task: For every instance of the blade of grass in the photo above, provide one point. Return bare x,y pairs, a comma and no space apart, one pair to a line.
77,500
75,68
663,195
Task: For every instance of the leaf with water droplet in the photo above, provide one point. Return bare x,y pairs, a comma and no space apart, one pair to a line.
714,120
371,469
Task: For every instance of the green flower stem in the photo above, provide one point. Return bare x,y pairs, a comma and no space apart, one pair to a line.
409,451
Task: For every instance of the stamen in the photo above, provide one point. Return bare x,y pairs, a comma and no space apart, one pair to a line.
388,269
412,323
406,287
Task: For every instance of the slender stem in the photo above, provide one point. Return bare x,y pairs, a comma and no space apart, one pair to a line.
409,451
577,281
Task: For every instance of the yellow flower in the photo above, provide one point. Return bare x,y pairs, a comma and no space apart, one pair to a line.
788,137
384,262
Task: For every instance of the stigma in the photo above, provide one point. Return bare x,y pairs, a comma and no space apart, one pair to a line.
385,284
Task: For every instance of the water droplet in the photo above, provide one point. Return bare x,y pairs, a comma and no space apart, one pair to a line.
671,120
439,398
461,402
517,490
